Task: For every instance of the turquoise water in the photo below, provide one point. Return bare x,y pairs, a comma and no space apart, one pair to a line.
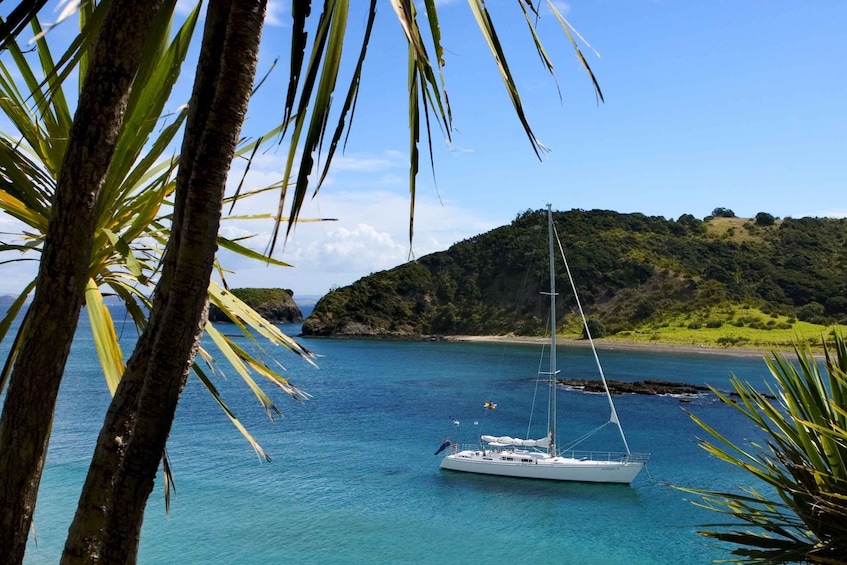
354,480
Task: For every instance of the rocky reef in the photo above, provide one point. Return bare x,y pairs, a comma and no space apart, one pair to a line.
650,387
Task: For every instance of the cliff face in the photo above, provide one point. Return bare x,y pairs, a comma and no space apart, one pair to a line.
629,269
274,304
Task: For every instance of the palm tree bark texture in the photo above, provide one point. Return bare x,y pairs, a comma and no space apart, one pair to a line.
63,271
107,524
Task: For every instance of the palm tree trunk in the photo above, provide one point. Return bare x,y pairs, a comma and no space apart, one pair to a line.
107,525
63,271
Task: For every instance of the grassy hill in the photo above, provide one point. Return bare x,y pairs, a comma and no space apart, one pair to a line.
724,280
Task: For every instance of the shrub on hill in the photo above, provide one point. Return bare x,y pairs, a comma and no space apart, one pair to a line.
723,213
764,219
595,329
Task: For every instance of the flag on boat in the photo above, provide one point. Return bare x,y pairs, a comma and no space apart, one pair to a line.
444,446
490,405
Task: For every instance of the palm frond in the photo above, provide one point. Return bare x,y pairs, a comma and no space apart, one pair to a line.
235,361
570,32
240,313
24,12
804,517
207,383
352,94
134,220
105,337
489,33
324,63
312,81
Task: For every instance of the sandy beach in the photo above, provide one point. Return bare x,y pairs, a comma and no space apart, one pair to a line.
601,344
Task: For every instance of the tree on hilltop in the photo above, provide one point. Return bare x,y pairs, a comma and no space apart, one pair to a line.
723,213
764,219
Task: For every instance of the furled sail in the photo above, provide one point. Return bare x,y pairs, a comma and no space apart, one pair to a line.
502,441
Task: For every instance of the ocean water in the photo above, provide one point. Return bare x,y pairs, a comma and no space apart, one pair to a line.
354,480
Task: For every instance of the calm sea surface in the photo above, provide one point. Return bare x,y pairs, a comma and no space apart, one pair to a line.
354,480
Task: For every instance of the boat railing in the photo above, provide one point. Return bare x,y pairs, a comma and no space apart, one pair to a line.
481,447
601,456
477,447
610,456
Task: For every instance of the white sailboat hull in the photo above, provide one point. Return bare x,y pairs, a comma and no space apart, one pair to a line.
534,465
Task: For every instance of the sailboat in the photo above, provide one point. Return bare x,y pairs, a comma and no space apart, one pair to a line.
540,458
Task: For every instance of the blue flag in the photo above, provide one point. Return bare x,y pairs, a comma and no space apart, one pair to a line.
444,446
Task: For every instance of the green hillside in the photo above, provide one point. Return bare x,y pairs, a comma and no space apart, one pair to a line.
639,277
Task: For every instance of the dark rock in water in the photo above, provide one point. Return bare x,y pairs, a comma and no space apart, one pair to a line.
651,387
274,304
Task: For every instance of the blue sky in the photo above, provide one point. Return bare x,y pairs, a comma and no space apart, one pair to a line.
737,104
721,103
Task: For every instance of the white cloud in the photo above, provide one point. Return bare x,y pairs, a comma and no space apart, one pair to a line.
391,160
371,234
369,199
275,12
274,15
563,7
831,213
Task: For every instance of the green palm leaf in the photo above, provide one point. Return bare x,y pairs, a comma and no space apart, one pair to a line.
489,33
105,336
133,224
804,516
312,83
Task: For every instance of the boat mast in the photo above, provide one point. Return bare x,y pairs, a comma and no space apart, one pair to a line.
614,413
551,450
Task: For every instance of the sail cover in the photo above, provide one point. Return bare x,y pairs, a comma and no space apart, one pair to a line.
506,441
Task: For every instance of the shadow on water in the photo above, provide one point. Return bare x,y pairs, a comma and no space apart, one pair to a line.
534,488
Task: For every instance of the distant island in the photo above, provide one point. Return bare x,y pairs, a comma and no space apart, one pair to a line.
721,281
274,304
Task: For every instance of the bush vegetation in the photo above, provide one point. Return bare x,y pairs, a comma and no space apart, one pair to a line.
593,329
765,219
633,272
